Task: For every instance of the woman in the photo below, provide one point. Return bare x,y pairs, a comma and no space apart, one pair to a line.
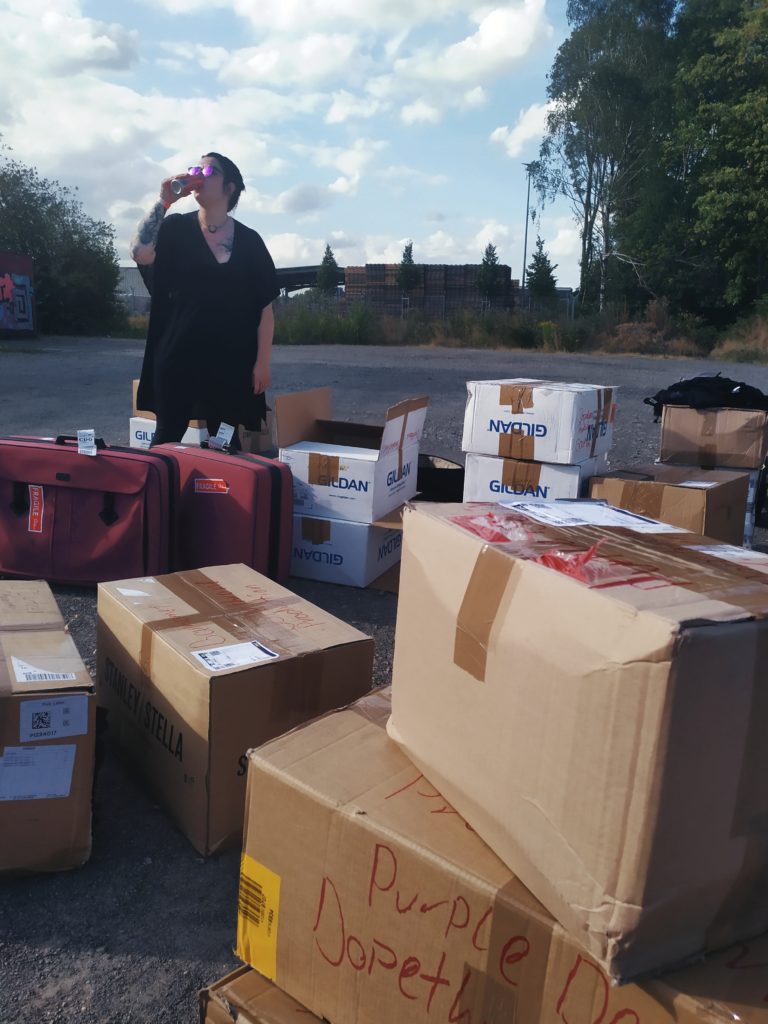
209,342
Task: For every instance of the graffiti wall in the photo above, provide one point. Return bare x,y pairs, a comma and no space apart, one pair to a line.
16,293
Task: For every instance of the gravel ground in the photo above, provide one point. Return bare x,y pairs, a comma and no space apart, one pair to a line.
134,934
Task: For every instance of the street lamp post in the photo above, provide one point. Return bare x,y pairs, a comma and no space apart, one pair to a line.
527,212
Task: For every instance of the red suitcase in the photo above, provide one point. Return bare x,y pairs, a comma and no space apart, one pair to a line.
72,518
233,507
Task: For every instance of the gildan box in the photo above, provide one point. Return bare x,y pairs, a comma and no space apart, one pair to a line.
592,699
370,901
536,420
47,735
198,666
248,998
727,438
489,478
335,551
348,471
143,430
708,502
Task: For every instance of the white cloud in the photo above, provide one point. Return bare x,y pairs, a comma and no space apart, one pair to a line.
302,199
420,112
531,125
60,42
311,58
345,106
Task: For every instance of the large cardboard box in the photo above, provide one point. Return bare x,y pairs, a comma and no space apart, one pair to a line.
592,698
247,997
335,551
536,420
708,502
198,666
489,478
349,471
47,735
728,438
370,901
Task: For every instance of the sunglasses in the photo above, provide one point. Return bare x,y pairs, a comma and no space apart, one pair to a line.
206,172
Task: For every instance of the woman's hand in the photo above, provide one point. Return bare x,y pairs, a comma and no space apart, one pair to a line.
261,377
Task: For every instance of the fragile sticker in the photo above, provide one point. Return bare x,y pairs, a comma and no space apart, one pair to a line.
207,485
258,916
234,655
36,508
54,718
26,673
37,773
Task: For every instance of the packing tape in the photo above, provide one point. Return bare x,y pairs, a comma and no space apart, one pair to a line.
404,409
708,458
511,984
643,498
598,420
517,396
479,608
315,531
323,469
516,445
520,475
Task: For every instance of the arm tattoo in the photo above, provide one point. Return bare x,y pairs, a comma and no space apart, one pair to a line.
149,228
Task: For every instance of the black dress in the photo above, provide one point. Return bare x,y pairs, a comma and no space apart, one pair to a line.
202,340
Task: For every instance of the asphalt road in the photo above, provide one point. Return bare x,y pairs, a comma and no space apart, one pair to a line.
133,935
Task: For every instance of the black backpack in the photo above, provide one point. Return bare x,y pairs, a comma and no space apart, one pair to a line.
713,392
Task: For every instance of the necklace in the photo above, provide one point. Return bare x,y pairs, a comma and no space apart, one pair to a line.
216,227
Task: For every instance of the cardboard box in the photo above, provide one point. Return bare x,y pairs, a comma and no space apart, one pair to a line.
348,471
248,998
489,478
536,420
198,666
260,442
47,735
590,698
143,430
334,551
368,899
727,438
704,501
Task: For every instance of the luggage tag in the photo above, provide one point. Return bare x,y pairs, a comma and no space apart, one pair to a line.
86,442
223,437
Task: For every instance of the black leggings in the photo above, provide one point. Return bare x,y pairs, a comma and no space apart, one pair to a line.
171,429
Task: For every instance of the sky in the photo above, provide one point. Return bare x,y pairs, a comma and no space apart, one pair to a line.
359,124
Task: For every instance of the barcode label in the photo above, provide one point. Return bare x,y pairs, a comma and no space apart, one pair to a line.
251,901
53,717
26,673
234,655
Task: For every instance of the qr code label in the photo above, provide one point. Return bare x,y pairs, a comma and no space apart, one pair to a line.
41,720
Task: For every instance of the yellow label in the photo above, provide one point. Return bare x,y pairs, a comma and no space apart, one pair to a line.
258,913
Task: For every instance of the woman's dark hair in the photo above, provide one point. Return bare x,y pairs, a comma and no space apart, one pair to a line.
231,173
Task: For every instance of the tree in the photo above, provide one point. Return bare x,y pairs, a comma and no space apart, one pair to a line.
76,268
540,277
407,272
489,281
328,275
606,86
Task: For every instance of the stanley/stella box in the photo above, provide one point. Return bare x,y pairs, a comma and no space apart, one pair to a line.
592,699
198,666
47,735
365,897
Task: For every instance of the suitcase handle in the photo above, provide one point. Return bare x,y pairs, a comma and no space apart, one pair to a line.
72,439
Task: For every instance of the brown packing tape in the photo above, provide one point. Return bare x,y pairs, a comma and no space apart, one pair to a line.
516,446
517,396
323,469
315,531
520,475
479,609
598,420
708,456
405,409
644,498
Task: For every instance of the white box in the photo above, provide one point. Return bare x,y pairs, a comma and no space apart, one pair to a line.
349,471
541,421
143,430
335,551
489,478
